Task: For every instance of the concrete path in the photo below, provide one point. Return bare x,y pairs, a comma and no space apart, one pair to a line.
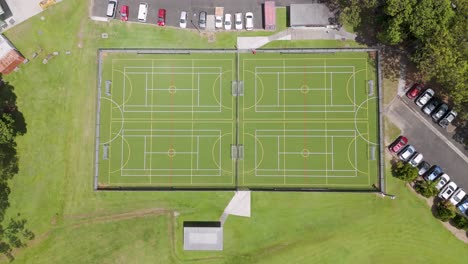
294,34
239,205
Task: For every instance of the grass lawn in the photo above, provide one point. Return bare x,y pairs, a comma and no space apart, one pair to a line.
73,224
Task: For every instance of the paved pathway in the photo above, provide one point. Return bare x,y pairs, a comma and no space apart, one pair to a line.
294,34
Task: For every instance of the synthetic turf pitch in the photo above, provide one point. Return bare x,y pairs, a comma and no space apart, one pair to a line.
305,120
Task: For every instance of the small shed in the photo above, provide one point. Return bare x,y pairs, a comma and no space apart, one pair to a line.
203,235
311,15
269,11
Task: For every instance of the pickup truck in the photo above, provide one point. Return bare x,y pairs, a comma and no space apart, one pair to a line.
219,11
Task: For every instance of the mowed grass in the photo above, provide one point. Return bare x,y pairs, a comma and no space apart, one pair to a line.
73,224
167,120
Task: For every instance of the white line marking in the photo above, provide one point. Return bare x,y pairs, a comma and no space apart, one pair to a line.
333,156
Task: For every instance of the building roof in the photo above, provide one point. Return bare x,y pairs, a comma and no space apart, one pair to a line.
310,15
203,236
10,58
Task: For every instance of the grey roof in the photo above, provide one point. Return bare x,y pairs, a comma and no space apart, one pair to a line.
203,238
310,15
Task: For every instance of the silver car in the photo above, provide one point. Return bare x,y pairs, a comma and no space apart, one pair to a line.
425,97
406,153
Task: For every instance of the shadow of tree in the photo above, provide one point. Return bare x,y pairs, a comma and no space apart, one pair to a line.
8,105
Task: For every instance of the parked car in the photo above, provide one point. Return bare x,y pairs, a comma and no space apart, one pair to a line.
142,12
406,153
124,13
458,196
448,190
416,159
442,181
431,106
111,7
414,91
183,19
423,167
227,22
249,24
440,112
448,118
424,97
433,173
398,144
238,19
463,207
162,17
202,20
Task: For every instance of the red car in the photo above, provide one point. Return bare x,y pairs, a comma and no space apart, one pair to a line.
414,91
124,13
162,17
398,144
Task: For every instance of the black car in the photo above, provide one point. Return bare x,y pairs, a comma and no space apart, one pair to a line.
440,112
423,167
448,118
431,106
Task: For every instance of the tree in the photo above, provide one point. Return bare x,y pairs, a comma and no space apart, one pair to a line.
445,210
426,188
404,171
7,128
460,222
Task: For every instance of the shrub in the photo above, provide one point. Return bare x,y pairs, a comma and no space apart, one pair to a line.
445,210
426,188
460,222
404,171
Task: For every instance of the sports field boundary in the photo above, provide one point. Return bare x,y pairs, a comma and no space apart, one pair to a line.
148,51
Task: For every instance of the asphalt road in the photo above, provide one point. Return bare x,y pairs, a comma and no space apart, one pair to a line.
193,7
430,141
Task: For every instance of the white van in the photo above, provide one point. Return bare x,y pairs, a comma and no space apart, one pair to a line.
142,12
111,6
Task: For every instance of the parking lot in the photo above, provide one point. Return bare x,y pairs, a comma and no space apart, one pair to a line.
432,141
193,7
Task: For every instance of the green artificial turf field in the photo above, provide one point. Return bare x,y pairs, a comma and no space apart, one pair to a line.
305,120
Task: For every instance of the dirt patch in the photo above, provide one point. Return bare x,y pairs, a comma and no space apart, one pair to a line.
122,216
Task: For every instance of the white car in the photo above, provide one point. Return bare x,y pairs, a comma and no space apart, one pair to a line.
249,21
238,19
416,159
458,196
227,22
406,153
443,179
183,19
448,190
425,97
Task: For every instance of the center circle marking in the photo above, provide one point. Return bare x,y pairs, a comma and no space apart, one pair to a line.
172,89
171,152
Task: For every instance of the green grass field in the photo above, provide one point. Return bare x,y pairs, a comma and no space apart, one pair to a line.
73,224
305,120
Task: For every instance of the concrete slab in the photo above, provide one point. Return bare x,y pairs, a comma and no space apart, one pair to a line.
239,205
251,42
21,10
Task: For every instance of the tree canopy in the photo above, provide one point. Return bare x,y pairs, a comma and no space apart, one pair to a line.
432,32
